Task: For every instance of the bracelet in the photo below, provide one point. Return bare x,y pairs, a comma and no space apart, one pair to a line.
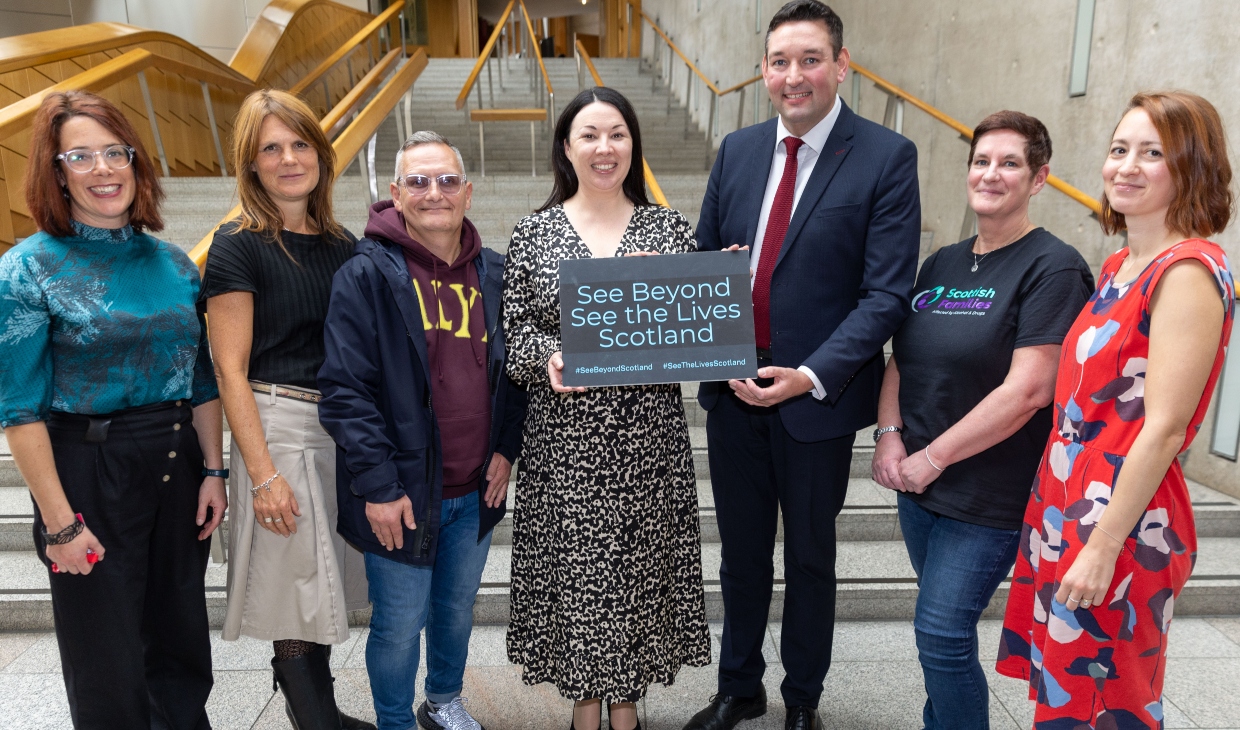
65,536
927,452
221,473
265,485
1104,532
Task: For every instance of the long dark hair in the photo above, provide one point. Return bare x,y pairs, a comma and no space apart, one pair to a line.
566,177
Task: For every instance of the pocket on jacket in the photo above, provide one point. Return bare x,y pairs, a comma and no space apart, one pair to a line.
837,210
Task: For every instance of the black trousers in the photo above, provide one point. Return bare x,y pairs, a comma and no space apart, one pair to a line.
757,469
133,634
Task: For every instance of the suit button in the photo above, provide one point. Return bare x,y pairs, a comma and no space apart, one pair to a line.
172,454
176,427
167,477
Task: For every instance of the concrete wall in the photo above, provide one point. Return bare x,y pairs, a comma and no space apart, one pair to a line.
18,17
969,59
216,26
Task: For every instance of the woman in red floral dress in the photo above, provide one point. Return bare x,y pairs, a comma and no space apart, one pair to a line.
1109,540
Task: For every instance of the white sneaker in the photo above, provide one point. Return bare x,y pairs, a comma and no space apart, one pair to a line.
452,716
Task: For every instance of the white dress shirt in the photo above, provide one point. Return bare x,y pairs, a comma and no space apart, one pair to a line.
807,157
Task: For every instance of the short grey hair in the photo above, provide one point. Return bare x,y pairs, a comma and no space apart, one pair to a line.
426,137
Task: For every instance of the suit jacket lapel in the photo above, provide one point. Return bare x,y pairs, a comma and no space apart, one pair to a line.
829,160
762,156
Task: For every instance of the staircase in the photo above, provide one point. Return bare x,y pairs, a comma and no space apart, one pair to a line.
875,578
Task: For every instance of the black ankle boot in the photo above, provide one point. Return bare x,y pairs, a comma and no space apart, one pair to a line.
308,697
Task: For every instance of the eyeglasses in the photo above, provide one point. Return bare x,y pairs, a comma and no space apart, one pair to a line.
421,184
117,157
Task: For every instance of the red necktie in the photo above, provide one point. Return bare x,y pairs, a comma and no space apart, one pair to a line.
772,242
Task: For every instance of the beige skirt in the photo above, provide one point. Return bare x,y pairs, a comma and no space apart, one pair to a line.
301,586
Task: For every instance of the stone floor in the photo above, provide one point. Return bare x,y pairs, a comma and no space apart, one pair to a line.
875,682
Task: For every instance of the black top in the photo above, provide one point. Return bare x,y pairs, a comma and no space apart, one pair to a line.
956,348
290,299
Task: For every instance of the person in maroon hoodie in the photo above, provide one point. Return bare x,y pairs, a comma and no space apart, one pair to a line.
416,397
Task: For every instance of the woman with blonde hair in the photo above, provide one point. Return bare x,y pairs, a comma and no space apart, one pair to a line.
291,577
1109,541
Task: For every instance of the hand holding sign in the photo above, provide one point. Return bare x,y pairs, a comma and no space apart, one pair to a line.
789,382
555,371
655,319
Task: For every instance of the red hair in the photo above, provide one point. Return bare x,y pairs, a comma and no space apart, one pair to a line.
1196,152
46,197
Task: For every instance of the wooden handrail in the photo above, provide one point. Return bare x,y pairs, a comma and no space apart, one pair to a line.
351,99
349,46
1055,182
683,57
714,89
257,53
655,190
482,57
534,45
45,47
740,86
508,115
899,93
351,140
20,114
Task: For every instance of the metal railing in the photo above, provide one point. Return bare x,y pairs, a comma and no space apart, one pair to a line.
893,115
507,41
376,36
656,192
696,84
354,139
19,116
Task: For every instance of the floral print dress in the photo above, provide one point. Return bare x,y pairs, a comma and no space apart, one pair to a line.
1103,667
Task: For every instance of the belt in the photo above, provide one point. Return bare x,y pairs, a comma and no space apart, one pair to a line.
95,426
287,391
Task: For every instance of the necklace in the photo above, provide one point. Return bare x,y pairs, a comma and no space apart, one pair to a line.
979,259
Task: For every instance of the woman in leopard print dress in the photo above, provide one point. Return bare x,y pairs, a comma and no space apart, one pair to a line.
606,557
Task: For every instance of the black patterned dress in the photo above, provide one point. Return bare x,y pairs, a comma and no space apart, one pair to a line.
606,553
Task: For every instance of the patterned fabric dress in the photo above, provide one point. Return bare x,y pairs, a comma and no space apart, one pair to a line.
606,556
1103,667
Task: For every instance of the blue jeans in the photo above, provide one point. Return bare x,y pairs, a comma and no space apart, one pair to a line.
406,598
959,565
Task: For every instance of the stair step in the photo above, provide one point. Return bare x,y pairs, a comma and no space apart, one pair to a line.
875,582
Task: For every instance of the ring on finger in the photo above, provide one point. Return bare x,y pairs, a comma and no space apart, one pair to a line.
1073,600
279,519
1086,603
266,519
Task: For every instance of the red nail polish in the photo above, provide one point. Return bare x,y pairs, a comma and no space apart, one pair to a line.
55,568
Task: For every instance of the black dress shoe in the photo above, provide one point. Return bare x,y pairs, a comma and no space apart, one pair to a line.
803,718
725,711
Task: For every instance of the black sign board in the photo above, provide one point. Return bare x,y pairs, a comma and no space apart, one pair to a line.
657,319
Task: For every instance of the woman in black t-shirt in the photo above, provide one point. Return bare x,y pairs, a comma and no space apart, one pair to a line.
291,578
970,400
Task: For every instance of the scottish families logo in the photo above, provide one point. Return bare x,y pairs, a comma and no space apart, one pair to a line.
941,300
926,299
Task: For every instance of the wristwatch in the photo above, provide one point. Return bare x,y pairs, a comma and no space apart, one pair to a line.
878,432
221,473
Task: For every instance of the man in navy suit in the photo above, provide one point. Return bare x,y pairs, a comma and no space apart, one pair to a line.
828,205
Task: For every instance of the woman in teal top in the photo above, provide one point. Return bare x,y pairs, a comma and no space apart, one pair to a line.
109,403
